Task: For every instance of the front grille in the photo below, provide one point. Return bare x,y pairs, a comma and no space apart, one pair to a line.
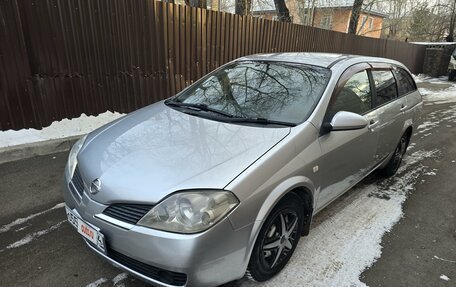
165,276
130,213
78,184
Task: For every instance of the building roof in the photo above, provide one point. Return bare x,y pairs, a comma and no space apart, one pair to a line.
365,11
348,4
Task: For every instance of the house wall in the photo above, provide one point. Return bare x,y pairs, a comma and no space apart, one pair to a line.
340,19
365,30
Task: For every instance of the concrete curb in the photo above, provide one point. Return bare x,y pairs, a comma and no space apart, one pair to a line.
23,151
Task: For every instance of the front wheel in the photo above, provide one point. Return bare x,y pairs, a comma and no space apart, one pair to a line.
395,161
277,240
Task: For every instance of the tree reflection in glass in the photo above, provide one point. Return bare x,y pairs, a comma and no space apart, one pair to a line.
270,90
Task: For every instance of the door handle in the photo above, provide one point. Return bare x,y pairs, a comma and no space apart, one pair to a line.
403,107
372,123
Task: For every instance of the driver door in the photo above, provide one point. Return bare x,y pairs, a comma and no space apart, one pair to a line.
348,155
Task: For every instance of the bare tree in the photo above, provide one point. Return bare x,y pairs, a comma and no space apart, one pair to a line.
243,7
283,14
452,16
196,3
356,10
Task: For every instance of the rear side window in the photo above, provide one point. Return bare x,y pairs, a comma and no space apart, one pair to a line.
405,83
355,96
385,86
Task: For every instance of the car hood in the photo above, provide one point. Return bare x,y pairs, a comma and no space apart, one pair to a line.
157,150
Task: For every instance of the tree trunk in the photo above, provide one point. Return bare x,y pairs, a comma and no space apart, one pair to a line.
450,37
243,7
282,11
196,3
356,11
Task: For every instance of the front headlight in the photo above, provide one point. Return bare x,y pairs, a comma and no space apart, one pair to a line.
72,158
190,211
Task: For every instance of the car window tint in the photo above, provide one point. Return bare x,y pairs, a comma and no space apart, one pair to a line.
385,86
355,96
405,83
273,90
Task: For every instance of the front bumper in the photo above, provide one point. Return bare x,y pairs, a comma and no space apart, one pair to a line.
210,258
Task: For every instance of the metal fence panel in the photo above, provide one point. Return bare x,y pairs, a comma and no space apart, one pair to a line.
61,58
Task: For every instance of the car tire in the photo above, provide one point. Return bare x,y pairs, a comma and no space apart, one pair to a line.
395,161
452,75
275,244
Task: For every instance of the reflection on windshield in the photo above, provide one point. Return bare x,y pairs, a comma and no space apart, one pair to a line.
269,90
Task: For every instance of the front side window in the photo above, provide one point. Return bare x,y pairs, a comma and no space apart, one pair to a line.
355,96
385,86
268,90
405,83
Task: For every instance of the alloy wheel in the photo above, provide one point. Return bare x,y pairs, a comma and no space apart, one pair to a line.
279,239
399,153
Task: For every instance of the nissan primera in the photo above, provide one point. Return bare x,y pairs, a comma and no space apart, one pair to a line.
222,180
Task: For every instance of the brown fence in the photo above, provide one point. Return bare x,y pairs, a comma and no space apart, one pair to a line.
61,58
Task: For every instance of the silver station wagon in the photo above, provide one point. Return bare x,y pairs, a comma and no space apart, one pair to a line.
222,180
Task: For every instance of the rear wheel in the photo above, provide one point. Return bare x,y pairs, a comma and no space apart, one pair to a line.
452,75
395,161
277,239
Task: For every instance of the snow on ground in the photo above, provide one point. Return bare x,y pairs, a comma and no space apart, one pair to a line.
98,282
21,221
346,237
58,129
116,281
30,237
437,118
420,78
441,96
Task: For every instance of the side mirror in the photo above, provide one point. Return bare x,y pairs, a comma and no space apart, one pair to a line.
345,121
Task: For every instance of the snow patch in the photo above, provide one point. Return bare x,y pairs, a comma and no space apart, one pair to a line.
58,129
421,78
346,237
20,221
442,259
30,237
444,96
97,282
118,278
436,119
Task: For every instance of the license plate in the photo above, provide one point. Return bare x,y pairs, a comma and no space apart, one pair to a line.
86,230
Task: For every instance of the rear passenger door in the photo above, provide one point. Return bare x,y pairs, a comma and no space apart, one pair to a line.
407,88
389,110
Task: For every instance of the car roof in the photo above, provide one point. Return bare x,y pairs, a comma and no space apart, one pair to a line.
326,60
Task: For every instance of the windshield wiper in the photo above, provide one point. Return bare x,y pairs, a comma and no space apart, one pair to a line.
198,107
261,121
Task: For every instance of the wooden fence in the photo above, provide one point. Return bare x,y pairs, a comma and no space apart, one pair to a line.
61,58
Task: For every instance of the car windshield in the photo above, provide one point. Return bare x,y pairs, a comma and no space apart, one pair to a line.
268,91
